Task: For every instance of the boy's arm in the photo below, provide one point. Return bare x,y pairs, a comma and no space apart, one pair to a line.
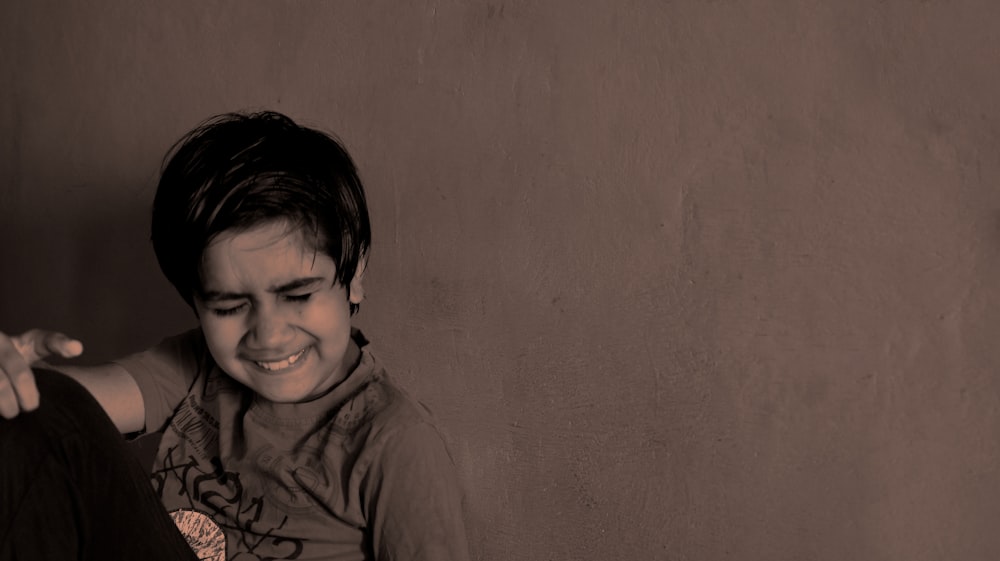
415,501
110,384
115,390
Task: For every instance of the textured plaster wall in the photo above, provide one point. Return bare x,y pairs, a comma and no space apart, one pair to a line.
681,280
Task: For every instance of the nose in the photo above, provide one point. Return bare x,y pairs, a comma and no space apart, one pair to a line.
268,329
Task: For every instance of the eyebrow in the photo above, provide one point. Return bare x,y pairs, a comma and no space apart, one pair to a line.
216,295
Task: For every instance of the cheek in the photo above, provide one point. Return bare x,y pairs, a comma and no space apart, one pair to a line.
337,317
330,310
222,336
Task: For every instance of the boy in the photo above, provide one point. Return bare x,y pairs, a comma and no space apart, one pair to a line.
283,438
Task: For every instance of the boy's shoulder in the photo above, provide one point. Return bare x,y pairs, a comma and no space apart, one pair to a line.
388,433
377,407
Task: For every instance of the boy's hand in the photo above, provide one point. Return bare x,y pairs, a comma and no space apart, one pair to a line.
18,391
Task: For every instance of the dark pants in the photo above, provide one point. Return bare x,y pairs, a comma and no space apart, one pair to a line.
71,489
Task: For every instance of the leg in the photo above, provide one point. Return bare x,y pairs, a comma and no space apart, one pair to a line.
71,489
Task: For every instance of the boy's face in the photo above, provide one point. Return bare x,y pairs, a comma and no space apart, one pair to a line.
273,315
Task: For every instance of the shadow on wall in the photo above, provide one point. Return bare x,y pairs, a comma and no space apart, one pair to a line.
90,273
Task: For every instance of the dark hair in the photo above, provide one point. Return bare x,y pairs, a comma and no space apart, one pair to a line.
238,170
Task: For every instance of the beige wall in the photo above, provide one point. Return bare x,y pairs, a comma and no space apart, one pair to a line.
681,280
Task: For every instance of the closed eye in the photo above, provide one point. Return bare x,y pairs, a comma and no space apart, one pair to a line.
228,311
298,297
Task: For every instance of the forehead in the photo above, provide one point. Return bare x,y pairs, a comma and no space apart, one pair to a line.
263,254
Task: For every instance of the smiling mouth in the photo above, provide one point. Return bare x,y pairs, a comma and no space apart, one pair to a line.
276,365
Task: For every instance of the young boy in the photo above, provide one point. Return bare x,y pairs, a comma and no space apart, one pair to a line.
283,437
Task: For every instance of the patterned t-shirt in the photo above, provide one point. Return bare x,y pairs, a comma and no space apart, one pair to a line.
359,473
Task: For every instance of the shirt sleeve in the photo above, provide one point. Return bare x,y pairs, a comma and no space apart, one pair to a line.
165,373
414,500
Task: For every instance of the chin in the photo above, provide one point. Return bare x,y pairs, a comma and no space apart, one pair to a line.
284,394
282,398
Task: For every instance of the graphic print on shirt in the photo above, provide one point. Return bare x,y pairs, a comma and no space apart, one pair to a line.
231,507
189,476
295,481
203,535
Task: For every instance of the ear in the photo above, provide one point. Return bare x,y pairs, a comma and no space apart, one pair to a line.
357,288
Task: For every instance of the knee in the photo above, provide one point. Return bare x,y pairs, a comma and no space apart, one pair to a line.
59,387
64,407
61,394
68,433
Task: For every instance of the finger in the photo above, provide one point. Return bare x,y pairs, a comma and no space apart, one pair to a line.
57,343
26,390
30,345
17,383
8,401
36,344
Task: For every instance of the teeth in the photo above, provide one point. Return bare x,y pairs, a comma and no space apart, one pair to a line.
282,364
